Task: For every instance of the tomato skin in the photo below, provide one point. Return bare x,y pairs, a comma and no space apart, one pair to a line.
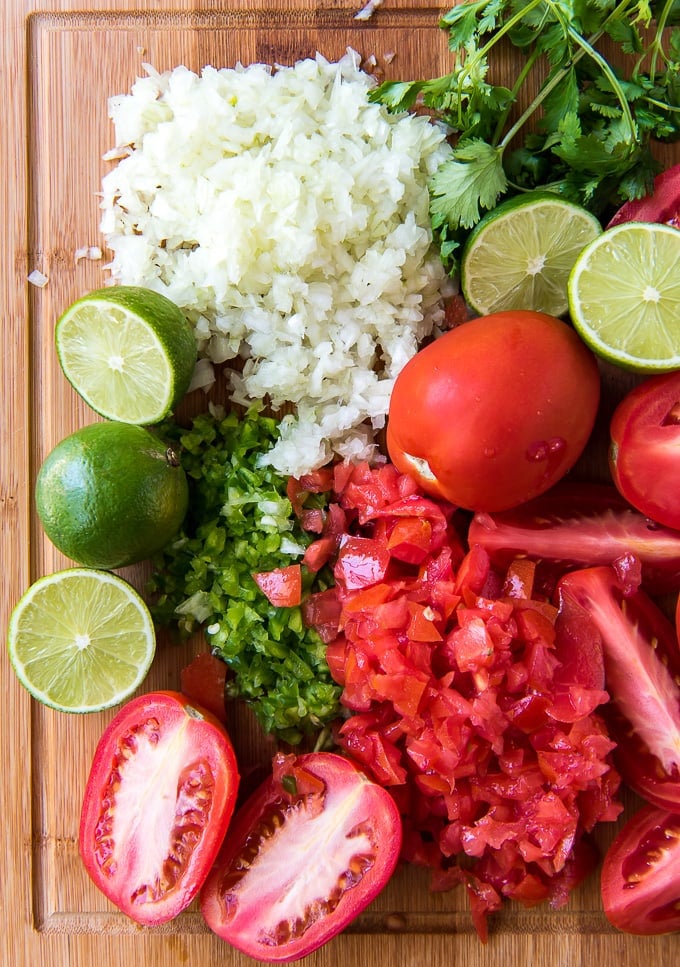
204,681
640,880
581,525
663,205
164,777
272,894
642,669
495,411
645,448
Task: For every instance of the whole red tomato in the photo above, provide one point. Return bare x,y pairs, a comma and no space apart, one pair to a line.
159,797
495,411
645,448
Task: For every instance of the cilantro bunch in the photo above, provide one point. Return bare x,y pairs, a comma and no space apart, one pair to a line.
599,84
240,522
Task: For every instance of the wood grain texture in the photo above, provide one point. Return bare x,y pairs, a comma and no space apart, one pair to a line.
61,61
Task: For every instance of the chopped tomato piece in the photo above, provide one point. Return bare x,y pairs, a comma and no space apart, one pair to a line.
282,586
321,611
411,539
473,698
361,562
204,680
319,553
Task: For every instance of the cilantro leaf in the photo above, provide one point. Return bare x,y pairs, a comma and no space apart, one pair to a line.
473,178
397,95
597,84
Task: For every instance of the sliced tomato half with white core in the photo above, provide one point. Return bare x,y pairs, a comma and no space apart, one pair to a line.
305,854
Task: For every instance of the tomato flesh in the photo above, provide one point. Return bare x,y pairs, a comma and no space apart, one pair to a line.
641,874
662,205
474,702
305,854
160,794
642,668
282,586
580,525
645,448
495,411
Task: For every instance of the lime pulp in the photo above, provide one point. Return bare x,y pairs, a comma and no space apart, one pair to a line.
81,640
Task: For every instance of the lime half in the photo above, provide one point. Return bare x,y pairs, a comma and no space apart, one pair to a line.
81,640
128,351
520,255
624,296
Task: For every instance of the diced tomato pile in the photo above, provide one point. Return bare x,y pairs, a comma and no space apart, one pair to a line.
467,700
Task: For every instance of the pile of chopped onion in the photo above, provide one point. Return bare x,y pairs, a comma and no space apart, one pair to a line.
287,215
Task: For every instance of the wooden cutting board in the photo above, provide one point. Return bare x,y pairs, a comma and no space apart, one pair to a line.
61,61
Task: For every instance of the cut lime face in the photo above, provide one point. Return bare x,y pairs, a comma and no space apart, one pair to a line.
128,351
520,255
81,640
624,296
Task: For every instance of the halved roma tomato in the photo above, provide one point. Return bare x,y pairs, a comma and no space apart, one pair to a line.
158,800
641,874
304,855
495,411
644,456
580,525
642,671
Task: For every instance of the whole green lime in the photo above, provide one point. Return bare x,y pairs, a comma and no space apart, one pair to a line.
111,494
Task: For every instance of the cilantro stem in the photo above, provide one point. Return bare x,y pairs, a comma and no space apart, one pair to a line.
480,55
611,77
535,104
585,48
519,83
656,45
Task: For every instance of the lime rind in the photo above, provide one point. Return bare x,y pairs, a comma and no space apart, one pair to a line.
128,352
520,255
624,296
81,640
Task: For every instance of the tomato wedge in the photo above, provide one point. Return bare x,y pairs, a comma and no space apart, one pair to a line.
158,800
641,874
305,854
642,670
580,525
644,456
663,205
